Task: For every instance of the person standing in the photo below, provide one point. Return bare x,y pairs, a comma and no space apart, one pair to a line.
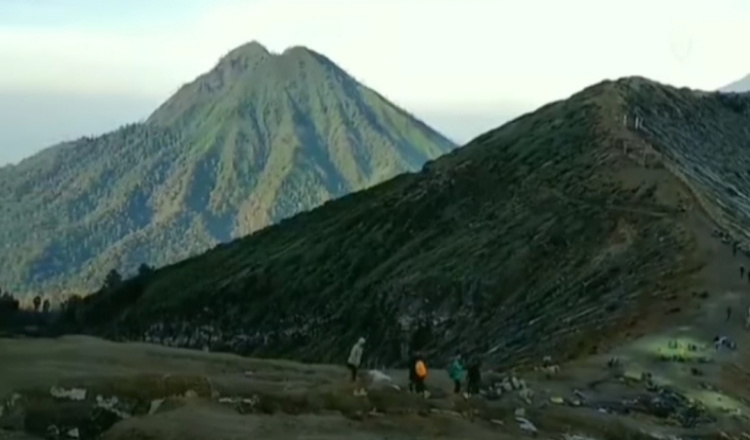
420,372
457,372
413,371
355,358
474,378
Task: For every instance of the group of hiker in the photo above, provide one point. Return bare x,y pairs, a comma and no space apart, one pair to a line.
458,371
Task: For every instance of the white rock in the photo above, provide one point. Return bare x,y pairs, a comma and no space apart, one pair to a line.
13,400
514,383
526,425
526,394
72,394
110,404
155,405
73,433
379,377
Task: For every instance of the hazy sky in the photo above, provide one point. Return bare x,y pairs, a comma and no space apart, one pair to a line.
80,67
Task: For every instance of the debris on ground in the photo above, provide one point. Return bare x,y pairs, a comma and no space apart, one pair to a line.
724,342
666,404
71,394
526,425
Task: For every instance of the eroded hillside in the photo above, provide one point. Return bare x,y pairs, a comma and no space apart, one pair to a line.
563,229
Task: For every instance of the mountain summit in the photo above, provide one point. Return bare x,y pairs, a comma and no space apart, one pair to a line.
260,137
739,86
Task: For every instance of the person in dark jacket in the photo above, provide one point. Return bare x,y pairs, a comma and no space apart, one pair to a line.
413,372
474,376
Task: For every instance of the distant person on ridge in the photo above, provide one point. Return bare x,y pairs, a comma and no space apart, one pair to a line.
355,358
457,372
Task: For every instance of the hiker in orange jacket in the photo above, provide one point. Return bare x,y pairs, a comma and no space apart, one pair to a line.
420,375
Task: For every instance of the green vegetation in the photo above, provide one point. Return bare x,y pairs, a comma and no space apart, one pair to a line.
544,236
257,139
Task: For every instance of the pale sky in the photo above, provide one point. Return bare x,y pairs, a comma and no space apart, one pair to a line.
82,67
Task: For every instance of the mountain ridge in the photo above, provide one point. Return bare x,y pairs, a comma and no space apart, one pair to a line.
256,139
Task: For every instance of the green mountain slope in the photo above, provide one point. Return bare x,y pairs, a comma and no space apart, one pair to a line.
562,229
257,139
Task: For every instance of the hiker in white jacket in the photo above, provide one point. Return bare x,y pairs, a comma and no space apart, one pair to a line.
355,358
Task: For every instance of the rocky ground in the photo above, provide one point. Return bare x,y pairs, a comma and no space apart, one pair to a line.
667,385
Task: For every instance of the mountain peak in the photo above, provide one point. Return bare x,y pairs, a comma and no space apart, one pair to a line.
256,50
293,51
253,48
739,86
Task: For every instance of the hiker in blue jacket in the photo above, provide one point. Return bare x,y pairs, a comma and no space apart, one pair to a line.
457,372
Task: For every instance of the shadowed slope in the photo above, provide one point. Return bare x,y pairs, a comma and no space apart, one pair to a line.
551,234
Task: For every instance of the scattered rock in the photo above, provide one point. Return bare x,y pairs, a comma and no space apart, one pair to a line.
112,404
526,394
71,394
53,431
632,376
580,395
526,425
557,400
379,379
73,433
154,406
667,403
515,383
